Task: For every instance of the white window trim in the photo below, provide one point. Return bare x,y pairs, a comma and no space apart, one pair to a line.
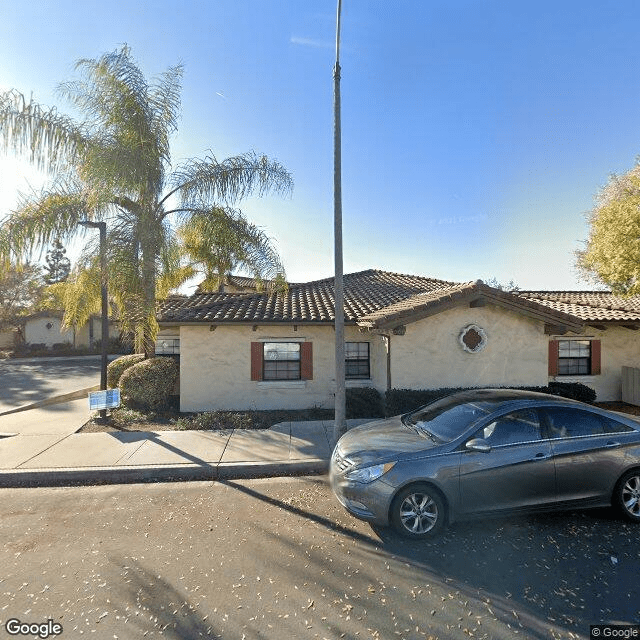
282,384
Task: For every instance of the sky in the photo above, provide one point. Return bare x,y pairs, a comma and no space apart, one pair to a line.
475,134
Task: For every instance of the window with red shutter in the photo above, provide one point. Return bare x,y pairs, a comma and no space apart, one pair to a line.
575,357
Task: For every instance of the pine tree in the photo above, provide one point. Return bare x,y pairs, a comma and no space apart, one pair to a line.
58,265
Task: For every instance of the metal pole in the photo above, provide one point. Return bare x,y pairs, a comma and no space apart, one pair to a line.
340,425
102,227
105,312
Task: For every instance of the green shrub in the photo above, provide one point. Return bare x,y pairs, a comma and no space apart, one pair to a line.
116,368
364,402
573,390
399,401
149,384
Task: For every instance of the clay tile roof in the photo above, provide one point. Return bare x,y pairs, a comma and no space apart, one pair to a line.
365,292
376,298
589,306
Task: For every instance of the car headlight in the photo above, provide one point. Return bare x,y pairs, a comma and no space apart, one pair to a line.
369,474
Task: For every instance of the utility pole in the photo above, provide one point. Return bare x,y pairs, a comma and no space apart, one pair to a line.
102,226
340,425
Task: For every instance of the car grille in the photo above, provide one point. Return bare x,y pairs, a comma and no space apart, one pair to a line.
340,462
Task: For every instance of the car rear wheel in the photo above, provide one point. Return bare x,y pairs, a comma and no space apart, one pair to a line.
627,495
418,512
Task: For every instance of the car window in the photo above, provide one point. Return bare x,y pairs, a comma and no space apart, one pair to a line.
613,426
519,426
565,422
447,418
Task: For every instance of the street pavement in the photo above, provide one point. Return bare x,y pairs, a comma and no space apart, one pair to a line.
40,446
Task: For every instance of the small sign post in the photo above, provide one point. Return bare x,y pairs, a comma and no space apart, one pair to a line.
108,399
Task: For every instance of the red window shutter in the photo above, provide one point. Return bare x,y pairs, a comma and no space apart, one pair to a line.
256,360
596,349
553,357
306,361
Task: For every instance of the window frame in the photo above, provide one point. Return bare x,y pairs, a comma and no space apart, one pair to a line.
286,361
579,361
358,360
594,366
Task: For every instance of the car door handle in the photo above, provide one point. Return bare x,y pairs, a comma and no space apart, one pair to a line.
541,456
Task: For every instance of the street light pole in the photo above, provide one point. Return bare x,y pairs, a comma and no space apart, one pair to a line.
340,425
102,226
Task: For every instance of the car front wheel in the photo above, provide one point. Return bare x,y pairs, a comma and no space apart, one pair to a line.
627,495
418,512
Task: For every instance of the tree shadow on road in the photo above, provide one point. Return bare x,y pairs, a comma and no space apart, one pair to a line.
566,571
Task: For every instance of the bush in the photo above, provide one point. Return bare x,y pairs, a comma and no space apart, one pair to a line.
116,368
573,390
149,384
364,402
114,345
399,401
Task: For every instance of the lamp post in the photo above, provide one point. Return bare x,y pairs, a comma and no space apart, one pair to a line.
102,226
340,424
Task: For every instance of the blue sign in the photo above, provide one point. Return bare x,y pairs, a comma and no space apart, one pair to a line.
104,399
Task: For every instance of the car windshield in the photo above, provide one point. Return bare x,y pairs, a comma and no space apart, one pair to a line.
448,418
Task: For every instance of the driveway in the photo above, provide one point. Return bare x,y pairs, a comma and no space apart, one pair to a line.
24,382
33,380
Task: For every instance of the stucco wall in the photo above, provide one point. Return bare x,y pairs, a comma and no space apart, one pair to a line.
83,334
429,355
215,368
619,347
46,330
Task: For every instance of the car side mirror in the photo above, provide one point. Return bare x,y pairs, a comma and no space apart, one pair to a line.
478,444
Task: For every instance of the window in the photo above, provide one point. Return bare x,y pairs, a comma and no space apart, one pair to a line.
167,345
574,357
571,423
271,360
516,427
281,361
357,360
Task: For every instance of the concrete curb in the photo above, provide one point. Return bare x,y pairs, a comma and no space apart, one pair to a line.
65,397
165,473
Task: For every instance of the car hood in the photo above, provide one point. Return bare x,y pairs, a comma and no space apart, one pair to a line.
382,440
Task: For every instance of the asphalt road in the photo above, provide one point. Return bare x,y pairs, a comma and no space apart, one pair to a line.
281,559
24,382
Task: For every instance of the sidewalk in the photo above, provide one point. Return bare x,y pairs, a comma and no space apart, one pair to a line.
42,456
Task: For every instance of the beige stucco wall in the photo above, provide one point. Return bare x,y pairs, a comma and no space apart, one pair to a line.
620,347
215,368
83,334
429,355
36,331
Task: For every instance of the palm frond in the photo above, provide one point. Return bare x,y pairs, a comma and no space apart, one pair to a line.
50,140
229,181
222,240
41,218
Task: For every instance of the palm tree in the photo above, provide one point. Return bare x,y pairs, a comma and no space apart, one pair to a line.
115,165
222,241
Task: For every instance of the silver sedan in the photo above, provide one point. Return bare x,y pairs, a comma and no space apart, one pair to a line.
487,452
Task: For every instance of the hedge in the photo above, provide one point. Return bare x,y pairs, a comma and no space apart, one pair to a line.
364,402
399,401
149,384
116,368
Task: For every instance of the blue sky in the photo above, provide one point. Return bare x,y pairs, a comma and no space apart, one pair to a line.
474,134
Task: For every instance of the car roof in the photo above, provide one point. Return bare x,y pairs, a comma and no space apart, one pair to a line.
506,395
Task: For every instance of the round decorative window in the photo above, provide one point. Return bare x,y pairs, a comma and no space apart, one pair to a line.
473,338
